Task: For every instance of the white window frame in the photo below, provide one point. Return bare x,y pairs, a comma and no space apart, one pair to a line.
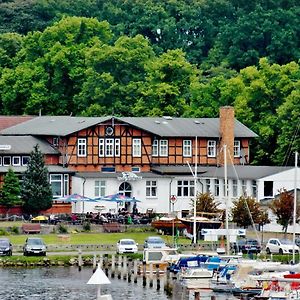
100,188
81,147
5,164
211,148
185,188
151,188
254,188
234,187
66,184
136,147
101,147
217,187
23,158
117,147
155,148
237,148
187,148
208,185
163,148
55,142
16,161
109,147
52,180
0,160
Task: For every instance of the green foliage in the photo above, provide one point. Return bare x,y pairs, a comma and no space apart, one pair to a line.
283,208
86,226
15,230
36,191
205,203
10,193
62,229
246,211
3,232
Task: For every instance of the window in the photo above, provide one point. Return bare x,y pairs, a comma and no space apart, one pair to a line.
268,188
16,161
66,184
163,147
55,142
185,188
0,160
81,147
109,147
254,189
155,148
237,149
151,188
136,148
211,148
56,185
207,182
136,169
108,169
25,160
234,188
187,148
244,187
100,186
217,187
6,160
225,188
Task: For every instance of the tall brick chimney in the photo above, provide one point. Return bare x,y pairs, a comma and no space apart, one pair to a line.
226,133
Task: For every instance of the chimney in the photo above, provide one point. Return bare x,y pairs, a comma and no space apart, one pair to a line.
226,133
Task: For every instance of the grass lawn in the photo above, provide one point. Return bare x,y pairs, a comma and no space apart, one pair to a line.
92,238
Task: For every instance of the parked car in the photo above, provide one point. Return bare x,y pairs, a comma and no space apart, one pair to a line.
247,246
154,242
127,246
6,247
34,246
281,246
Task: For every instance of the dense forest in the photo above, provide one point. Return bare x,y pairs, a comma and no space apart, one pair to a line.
151,58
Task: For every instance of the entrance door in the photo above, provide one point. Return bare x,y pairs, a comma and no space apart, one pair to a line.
125,188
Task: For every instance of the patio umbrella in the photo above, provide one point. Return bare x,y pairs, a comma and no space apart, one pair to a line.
74,198
39,219
119,198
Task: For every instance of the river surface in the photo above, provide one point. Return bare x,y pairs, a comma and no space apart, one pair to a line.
59,283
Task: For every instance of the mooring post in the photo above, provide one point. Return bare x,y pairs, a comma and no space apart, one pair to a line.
124,267
101,261
151,275
129,267
119,266
168,286
135,271
79,259
113,265
106,264
94,262
144,274
157,277
197,295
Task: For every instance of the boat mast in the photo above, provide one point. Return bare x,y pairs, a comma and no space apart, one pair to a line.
195,192
226,201
295,205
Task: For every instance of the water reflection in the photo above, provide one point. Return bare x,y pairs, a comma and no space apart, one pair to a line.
68,283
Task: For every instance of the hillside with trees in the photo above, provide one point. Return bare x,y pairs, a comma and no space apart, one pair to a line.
153,58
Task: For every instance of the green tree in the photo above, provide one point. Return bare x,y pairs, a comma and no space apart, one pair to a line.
246,211
10,193
205,203
36,191
283,208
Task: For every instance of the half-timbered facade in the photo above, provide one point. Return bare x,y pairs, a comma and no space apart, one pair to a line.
150,158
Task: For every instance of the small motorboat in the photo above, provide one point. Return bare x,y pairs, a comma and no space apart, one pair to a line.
196,278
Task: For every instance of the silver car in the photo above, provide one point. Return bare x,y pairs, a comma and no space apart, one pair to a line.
34,246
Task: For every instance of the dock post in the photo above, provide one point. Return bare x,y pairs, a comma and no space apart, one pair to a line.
168,286
151,275
124,267
101,261
144,274
113,266
79,260
129,267
94,262
197,295
157,278
135,271
106,264
119,266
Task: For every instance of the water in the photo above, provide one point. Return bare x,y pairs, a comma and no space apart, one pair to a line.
68,283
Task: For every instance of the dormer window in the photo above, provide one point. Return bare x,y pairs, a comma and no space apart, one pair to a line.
237,148
211,148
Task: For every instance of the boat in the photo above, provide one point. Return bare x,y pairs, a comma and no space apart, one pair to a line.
168,224
196,278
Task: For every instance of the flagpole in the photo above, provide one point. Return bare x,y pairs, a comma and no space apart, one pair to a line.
195,191
295,205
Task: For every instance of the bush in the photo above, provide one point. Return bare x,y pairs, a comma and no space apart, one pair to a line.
15,230
86,226
3,232
62,229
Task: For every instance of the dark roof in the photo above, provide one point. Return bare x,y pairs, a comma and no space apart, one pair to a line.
9,121
24,145
160,126
233,172
51,169
54,125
